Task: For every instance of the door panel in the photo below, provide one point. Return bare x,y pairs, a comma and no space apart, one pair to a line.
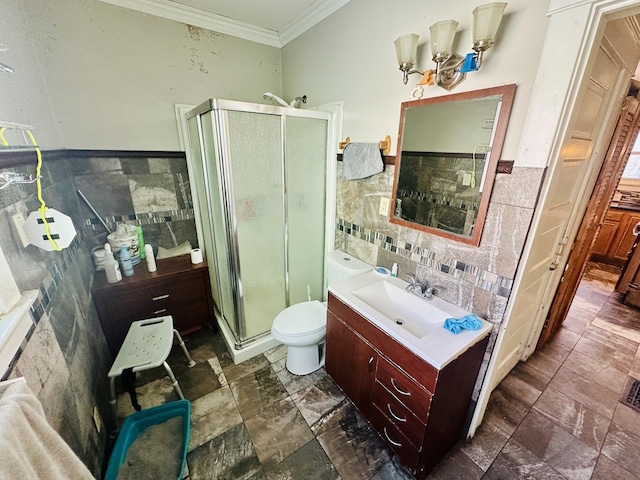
558,216
584,128
598,223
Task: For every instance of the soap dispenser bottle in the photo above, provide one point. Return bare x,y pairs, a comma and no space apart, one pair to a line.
125,261
111,267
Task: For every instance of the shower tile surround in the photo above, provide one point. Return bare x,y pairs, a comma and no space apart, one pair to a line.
63,359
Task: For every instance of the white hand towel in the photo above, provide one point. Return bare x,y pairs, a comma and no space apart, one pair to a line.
361,160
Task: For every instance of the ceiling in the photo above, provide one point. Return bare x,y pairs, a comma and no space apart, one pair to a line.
270,22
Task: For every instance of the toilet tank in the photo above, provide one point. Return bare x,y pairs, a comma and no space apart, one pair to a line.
341,265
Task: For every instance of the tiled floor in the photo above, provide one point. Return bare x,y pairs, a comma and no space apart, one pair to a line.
555,416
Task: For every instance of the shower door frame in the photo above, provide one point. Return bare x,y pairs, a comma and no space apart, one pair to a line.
221,142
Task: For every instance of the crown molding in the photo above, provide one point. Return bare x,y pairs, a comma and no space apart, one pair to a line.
200,18
317,12
218,23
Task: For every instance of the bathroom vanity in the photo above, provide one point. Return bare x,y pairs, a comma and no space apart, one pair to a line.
178,288
417,402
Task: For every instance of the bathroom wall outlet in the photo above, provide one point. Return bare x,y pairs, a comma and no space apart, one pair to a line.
97,421
18,222
487,124
466,179
384,206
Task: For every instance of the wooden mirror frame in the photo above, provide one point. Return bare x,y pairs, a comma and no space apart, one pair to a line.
500,129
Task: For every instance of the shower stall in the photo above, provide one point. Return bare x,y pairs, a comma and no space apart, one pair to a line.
260,174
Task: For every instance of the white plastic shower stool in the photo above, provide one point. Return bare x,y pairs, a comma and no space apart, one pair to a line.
147,345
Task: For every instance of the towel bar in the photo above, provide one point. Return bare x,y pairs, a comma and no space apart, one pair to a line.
384,145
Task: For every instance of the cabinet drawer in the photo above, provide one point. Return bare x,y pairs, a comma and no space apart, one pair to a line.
412,395
410,426
395,438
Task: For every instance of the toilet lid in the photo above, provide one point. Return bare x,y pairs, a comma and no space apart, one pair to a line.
301,319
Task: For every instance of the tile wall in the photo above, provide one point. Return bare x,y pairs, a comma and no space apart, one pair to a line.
63,359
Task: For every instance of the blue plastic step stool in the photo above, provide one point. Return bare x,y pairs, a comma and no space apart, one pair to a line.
147,345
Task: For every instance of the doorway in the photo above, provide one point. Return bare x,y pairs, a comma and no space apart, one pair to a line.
592,48
605,234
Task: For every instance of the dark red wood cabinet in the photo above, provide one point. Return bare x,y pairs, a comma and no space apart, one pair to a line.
418,410
178,288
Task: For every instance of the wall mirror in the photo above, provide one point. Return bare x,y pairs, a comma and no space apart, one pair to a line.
448,152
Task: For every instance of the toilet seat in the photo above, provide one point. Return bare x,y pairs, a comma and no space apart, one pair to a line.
303,318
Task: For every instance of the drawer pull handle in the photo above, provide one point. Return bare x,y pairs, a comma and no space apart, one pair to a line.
371,365
160,311
399,390
395,444
160,297
400,419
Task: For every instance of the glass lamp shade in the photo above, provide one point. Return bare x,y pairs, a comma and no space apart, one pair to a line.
406,49
442,35
486,20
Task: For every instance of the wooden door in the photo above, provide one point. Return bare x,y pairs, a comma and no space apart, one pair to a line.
598,229
585,72
351,362
569,183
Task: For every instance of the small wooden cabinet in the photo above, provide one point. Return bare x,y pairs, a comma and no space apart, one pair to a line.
419,410
178,288
615,239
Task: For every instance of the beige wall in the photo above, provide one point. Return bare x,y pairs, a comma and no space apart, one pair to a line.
350,56
23,94
113,75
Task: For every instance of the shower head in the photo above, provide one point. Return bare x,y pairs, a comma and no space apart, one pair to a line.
295,103
272,97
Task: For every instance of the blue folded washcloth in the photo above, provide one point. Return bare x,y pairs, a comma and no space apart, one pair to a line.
456,325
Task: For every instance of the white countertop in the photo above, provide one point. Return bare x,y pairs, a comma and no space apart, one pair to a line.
439,347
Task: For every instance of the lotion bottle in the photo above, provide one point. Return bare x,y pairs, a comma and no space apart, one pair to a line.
151,261
111,267
394,270
125,261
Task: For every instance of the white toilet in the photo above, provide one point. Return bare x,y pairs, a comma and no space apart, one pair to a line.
302,327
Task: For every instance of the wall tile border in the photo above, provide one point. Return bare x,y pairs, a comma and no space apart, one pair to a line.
483,279
149,218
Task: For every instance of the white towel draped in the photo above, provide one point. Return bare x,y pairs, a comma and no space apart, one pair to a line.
29,447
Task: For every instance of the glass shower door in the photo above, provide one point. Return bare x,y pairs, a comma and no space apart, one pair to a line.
213,218
256,185
306,164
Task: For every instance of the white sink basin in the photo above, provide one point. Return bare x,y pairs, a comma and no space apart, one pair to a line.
416,315
413,321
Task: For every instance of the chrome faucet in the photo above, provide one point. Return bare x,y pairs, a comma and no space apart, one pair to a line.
420,289
429,292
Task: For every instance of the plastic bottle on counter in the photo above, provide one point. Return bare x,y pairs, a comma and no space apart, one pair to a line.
151,261
140,242
394,270
125,261
111,267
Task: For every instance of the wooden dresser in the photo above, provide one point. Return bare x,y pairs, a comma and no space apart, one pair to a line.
178,288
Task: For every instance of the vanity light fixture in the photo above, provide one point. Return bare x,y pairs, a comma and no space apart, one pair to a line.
451,68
